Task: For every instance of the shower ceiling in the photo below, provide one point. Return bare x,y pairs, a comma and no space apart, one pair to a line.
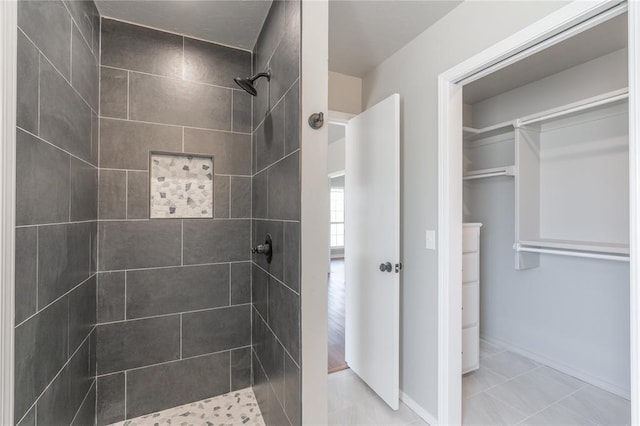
231,22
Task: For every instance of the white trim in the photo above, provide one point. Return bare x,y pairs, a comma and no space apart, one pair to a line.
450,188
418,409
8,71
340,118
314,258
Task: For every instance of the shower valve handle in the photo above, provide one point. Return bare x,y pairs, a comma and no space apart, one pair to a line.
266,248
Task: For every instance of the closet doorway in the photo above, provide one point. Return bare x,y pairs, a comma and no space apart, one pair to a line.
541,270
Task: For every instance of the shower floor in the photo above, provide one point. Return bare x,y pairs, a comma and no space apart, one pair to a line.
234,408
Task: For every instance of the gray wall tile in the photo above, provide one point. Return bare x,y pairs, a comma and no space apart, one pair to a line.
284,310
82,312
110,399
29,419
126,144
86,16
61,401
84,194
64,257
292,119
270,35
292,404
111,299
259,195
42,181
270,138
261,103
221,197
86,415
292,255
216,330
65,119
26,272
169,101
270,407
211,63
276,229
112,199
176,383
137,195
92,353
27,85
241,112
172,290
141,49
240,197
260,291
203,237
240,283
142,244
113,92
48,24
270,354
231,151
132,344
84,66
285,62
285,205
41,351
240,368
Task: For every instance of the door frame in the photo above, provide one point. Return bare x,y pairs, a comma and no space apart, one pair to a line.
524,43
8,71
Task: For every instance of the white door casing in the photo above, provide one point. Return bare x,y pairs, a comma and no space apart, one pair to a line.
372,238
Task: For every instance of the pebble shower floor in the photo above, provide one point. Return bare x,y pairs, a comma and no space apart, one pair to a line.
234,408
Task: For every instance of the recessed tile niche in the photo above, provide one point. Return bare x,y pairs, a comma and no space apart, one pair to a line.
181,186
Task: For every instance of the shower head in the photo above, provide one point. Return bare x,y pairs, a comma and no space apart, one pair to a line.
247,83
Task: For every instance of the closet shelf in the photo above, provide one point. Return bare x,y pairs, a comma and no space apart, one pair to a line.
495,171
585,248
471,133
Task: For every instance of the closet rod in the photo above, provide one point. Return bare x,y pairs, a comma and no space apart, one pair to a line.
574,254
486,175
616,96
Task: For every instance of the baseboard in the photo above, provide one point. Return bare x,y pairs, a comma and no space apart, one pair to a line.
416,408
563,368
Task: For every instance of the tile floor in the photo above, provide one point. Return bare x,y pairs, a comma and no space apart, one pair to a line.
234,408
509,389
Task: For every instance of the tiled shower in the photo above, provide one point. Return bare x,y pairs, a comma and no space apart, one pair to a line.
121,311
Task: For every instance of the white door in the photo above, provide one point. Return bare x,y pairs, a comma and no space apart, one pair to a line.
372,242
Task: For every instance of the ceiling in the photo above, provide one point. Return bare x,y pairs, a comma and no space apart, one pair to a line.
583,47
363,33
235,23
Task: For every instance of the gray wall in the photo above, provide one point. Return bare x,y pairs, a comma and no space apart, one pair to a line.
412,72
57,104
581,301
276,210
174,313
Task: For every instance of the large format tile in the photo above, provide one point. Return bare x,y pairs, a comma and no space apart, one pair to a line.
110,400
84,70
240,197
113,193
40,352
284,317
488,349
292,255
26,272
272,31
111,299
143,49
508,364
132,344
126,144
84,191
483,409
535,390
479,381
114,85
64,256
82,312
27,85
285,205
141,244
48,24
262,228
137,195
65,119
259,195
86,16
212,63
86,414
62,399
29,419
272,410
292,119
270,355
169,101
599,406
231,151
221,197
285,63
240,283
557,415
260,291
42,181
216,330
212,241
270,138
176,383
241,112
171,290
240,368
292,391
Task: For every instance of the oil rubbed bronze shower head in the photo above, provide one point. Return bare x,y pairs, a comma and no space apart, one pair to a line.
247,83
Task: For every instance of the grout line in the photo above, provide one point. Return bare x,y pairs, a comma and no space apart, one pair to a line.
277,279
37,265
128,98
175,125
70,190
180,335
280,160
71,52
57,147
173,313
230,373
230,284
553,403
125,394
93,383
277,338
272,388
175,266
232,110
276,104
56,223
181,242
126,195
39,72
73,21
125,298
230,216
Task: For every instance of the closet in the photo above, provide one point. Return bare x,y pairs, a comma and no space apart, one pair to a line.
546,174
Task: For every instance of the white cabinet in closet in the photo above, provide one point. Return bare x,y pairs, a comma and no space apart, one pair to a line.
470,297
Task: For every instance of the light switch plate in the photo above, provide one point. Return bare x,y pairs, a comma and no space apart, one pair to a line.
430,239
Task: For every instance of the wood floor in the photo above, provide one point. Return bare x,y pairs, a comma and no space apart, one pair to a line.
336,316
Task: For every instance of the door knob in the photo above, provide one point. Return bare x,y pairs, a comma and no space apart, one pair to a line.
386,267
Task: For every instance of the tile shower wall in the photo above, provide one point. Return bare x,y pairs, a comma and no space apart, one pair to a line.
56,212
276,210
174,295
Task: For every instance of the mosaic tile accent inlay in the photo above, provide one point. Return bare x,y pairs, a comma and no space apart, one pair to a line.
181,186
231,409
